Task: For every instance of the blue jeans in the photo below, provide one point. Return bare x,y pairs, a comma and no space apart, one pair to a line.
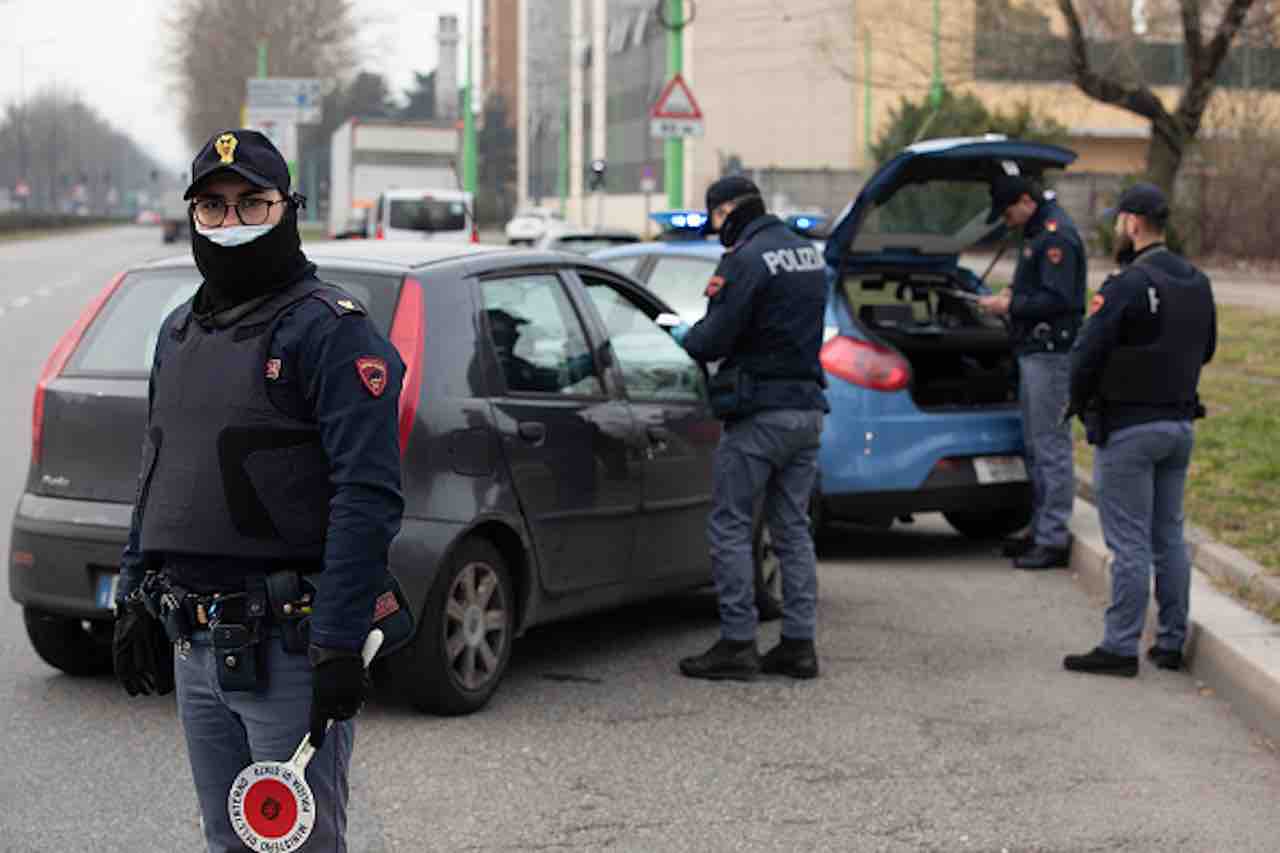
773,453
1042,393
227,731
1139,476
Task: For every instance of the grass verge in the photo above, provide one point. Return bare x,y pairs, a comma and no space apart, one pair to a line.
1233,486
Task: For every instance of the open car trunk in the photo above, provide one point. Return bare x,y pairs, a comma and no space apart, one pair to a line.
960,356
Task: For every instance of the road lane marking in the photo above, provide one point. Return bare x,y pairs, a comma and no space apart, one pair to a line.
44,291
21,302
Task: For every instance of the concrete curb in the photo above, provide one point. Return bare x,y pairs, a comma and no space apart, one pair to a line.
1230,649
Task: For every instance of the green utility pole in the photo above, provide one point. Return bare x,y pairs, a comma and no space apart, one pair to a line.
262,57
673,173
562,167
935,87
468,120
866,100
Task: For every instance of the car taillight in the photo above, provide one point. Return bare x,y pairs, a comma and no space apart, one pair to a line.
475,234
58,359
407,337
378,235
866,364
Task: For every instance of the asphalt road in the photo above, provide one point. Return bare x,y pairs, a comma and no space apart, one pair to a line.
942,720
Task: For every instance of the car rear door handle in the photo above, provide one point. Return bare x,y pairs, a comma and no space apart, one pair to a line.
657,435
534,432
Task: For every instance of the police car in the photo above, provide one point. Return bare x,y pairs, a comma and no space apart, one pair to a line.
922,384
556,453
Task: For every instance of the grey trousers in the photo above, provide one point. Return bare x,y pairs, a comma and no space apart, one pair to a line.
1043,393
1139,477
773,454
227,731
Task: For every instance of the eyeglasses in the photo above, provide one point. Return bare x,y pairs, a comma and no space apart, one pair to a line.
210,212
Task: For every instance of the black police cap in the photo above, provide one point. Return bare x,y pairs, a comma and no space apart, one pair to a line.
1005,190
1146,200
247,153
725,189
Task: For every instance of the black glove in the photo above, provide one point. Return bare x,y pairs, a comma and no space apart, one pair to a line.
140,651
337,689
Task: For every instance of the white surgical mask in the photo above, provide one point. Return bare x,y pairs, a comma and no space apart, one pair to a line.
234,235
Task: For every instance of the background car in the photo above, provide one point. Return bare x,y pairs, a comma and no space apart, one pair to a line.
583,241
422,214
922,384
556,447
529,224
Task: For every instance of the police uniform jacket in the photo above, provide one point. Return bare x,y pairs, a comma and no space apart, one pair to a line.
273,443
1047,305
1151,328
765,316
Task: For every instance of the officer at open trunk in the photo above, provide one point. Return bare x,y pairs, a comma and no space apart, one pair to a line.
269,494
764,318
1045,306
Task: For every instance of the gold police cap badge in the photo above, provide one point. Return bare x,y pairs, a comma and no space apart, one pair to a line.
225,145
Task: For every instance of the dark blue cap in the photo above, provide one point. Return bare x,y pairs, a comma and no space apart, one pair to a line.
1005,190
1146,200
728,188
247,153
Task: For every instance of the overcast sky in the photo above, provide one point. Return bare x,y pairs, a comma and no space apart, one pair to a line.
110,54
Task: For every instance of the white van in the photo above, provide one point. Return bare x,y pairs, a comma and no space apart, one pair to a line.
422,214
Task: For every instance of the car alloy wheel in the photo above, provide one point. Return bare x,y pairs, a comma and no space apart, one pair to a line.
476,625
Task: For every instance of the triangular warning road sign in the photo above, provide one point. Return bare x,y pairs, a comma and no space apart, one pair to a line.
676,101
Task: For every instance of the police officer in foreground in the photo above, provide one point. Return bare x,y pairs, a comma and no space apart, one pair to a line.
1045,306
1134,373
764,318
268,497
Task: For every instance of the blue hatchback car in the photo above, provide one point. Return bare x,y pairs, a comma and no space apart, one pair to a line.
923,385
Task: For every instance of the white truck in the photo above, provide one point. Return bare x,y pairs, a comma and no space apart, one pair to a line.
370,156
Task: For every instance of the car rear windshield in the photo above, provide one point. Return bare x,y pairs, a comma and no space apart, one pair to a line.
428,214
935,208
121,342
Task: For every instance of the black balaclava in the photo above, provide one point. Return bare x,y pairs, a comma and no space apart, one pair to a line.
236,274
748,210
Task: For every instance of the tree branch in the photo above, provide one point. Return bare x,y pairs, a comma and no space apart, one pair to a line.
1203,75
1135,99
1193,39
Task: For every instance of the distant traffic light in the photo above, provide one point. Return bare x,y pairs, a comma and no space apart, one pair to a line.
598,168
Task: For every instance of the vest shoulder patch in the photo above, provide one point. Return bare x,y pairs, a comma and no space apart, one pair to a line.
339,302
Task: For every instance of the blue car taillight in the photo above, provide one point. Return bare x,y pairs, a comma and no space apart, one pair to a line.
865,364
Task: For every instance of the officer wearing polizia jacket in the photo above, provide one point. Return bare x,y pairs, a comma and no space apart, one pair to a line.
268,497
1045,306
764,318
1134,374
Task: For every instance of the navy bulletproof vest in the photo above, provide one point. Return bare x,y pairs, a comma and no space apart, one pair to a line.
226,472
1165,372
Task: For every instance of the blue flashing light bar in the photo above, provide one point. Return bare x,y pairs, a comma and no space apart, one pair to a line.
679,220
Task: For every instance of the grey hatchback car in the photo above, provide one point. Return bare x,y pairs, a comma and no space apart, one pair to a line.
556,447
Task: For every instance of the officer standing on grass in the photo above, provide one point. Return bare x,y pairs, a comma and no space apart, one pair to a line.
268,498
1045,306
1134,374
764,318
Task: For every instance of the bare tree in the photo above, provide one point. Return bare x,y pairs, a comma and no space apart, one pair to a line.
214,49
1172,131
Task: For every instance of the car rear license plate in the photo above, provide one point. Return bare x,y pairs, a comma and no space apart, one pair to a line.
1000,469
105,589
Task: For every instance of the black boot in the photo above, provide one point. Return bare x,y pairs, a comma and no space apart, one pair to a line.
1165,658
1016,546
1100,662
727,660
796,658
1043,557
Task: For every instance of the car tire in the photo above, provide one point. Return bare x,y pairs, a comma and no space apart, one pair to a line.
991,524
64,643
463,645
768,574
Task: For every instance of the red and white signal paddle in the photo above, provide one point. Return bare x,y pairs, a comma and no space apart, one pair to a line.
270,803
